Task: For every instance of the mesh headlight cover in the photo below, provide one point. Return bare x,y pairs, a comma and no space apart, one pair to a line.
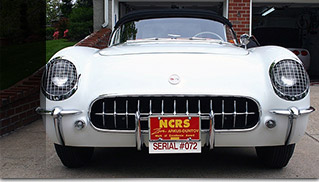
289,79
60,79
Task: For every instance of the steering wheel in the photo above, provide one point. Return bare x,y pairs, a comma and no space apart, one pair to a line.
212,33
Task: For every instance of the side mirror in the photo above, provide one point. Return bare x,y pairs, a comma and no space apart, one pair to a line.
248,41
244,40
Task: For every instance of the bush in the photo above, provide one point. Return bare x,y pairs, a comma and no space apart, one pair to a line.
80,23
49,33
62,25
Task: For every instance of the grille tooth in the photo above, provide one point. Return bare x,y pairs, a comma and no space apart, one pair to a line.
229,112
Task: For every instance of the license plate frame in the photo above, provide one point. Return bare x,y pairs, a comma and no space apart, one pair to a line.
174,134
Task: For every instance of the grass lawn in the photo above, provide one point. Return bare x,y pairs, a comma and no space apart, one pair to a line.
53,46
20,61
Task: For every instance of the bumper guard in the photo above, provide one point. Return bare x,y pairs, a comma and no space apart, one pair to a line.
292,114
57,113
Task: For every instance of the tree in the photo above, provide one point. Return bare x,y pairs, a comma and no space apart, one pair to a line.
20,19
52,10
84,3
80,22
66,7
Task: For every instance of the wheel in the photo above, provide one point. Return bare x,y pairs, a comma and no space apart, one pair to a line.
73,157
275,156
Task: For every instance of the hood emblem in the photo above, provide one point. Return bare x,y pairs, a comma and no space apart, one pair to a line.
174,79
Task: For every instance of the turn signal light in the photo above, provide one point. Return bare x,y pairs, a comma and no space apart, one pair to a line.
304,53
296,52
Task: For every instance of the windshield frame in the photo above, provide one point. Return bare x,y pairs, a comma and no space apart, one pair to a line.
170,13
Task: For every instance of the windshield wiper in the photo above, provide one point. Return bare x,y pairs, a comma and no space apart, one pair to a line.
211,40
151,38
145,39
197,38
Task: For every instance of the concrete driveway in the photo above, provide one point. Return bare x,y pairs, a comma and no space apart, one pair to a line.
28,153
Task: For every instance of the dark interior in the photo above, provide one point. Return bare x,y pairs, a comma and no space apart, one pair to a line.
291,25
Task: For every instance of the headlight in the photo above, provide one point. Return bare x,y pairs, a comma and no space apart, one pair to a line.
289,79
59,80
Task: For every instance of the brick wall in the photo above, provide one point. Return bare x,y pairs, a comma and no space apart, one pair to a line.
18,103
97,39
239,15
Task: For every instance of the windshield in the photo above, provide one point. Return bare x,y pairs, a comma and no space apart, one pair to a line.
173,28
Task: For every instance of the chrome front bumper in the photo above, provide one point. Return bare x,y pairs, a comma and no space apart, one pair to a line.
57,113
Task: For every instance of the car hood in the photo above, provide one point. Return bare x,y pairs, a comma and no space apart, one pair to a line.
174,46
149,74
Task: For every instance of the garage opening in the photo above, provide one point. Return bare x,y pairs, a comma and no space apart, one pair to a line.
126,7
291,26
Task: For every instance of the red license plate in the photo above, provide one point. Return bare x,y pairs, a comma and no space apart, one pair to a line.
174,128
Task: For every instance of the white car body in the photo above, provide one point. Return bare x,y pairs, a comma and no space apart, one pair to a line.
204,68
133,69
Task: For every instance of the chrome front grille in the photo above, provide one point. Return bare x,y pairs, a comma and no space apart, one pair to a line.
118,113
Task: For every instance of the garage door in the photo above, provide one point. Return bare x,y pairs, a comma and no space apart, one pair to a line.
291,25
126,7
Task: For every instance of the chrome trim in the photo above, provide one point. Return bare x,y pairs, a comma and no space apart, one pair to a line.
162,113
113,131
293,113
307,111
246,114
66,95
126,114
187,113
174,113
103,118
223,113
58,128
57,113
211,140
150,107
244,40
114,113
57,118
199,113
296,112
237,130
284,95
138,128
234,121
41,111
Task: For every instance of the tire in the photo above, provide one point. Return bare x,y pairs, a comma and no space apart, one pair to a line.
74,157
275,156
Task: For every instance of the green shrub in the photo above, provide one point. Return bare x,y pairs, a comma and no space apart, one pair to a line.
80,23
49,33
62,25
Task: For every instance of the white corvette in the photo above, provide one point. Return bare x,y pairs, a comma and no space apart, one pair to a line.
175,81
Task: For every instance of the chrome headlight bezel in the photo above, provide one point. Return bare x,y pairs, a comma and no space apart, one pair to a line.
289,79
67,87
